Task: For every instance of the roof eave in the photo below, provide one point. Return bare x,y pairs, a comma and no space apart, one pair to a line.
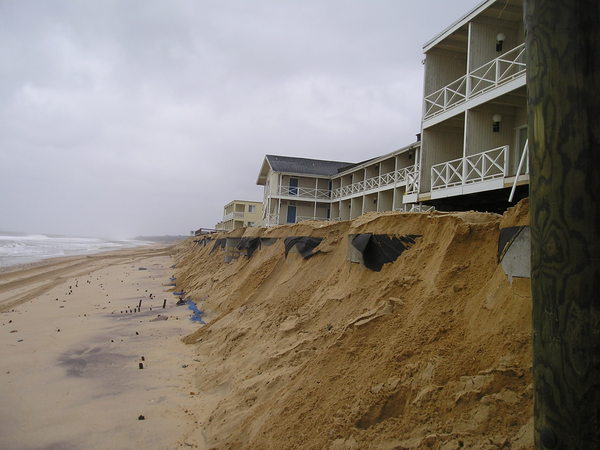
457,24
264,172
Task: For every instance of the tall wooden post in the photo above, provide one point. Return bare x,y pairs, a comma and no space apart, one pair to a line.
563,80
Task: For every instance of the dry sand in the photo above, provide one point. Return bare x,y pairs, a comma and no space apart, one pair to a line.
69,358
431,352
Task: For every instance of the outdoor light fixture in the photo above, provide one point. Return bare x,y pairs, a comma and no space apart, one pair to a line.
496,119
500,38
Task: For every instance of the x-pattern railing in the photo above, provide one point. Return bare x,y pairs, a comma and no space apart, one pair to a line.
447,174
498,71
490,75
271,219
396,177
486,165
303,192
446,97
412,180
471,169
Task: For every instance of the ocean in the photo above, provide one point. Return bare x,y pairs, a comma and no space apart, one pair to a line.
27,248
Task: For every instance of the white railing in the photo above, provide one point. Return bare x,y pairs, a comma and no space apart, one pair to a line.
271,219
303,192
304,218
400,176
447,174
412,180
471,169
233,215
446,97
500,70
415,207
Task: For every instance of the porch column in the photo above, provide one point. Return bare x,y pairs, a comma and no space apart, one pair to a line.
563,80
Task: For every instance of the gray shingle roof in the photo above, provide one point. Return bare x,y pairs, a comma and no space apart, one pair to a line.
305,165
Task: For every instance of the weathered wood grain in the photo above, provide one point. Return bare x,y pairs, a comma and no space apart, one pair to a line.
563,79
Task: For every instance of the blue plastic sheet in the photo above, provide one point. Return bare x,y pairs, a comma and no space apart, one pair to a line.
196,313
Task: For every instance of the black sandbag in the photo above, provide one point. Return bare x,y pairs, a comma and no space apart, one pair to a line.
380,249
304,244
506,238
219,244
249,245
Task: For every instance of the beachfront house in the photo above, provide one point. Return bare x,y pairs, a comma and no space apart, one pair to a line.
474,120
240,213
297,189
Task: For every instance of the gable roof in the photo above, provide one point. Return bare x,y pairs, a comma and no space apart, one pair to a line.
291,164
305,165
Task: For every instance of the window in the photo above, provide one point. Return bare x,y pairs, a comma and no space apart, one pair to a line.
251,208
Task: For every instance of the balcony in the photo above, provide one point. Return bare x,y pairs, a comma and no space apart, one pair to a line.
474,173
233,215
408,176
273,219
304,193
491,75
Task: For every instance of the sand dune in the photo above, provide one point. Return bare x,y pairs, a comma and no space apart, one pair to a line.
433,351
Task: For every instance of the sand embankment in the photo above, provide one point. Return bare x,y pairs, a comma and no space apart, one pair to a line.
70,354
432,351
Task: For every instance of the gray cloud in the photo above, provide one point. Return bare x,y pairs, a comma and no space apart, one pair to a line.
144,117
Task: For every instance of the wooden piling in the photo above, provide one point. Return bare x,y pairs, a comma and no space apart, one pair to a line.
563,80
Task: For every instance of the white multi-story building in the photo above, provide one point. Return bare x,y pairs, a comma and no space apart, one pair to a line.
474,122
473,136
297,189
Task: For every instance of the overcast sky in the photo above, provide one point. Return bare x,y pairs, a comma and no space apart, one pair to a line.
122,117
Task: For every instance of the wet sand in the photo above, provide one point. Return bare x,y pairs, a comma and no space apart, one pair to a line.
70,354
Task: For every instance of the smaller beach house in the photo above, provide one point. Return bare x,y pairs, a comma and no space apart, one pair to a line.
240,213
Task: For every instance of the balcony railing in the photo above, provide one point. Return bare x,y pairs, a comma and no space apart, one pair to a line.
400,176
415,207
412,180
271,219
304,218
233,215
471,169
447,97
501,70
303,192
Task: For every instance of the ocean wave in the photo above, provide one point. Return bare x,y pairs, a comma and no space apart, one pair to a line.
30,248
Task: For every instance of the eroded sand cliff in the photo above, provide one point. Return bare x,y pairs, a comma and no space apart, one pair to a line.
432,351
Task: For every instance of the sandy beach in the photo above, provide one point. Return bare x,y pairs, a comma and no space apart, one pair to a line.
71,350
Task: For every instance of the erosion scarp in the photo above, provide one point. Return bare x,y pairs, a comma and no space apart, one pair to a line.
432,351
